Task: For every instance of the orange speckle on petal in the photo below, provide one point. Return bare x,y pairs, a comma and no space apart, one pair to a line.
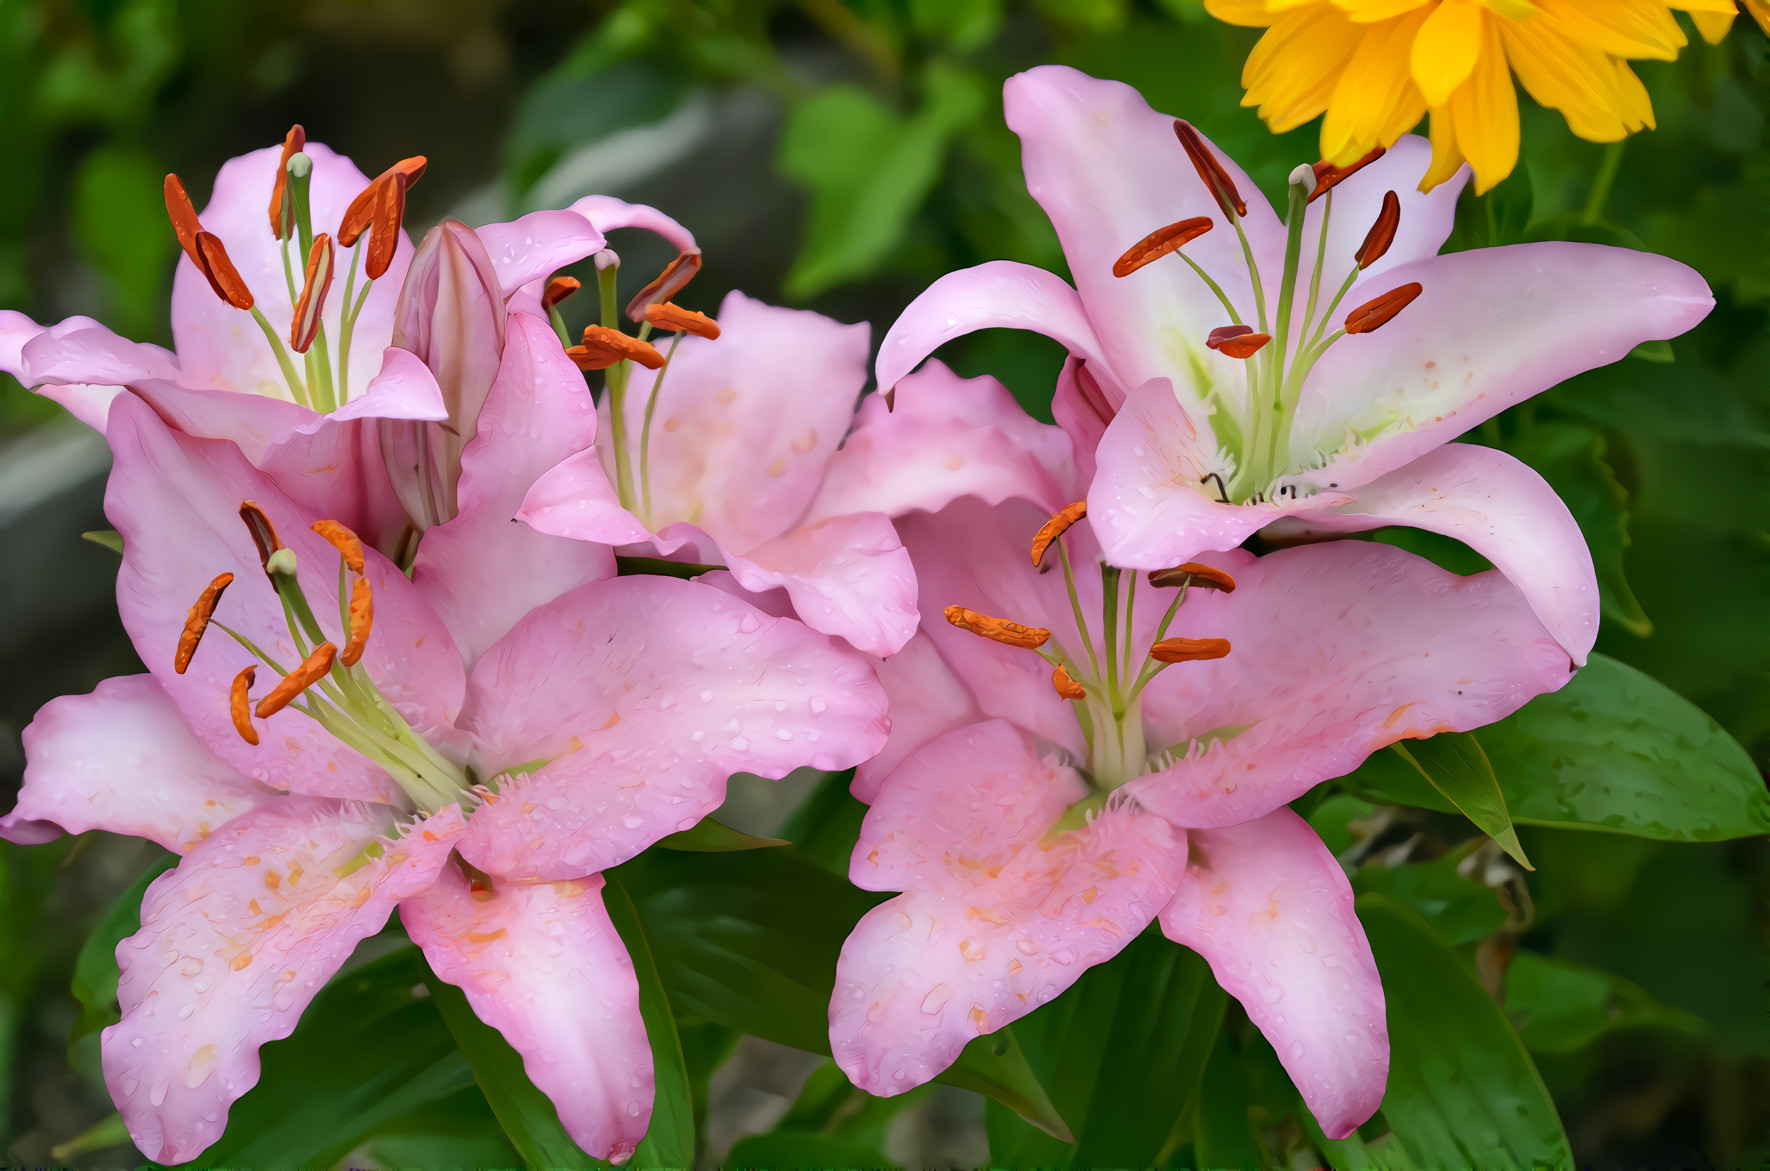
486,937
243,960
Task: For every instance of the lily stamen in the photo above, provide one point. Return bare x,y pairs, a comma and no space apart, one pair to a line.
604,347
1382,233
1159,243
362,616
1065,686
1186,650
197,621
1193,574
205,250
672,317
282,221
305,325
1055,528
1210,170
998,629
311,671
239,700
665,285
558,289
1237,341
1327,176
1378,312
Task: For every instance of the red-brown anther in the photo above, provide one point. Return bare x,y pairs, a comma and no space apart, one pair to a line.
387,210
1159,243
293,142
1056,527
362,616
264,534
1066,687
999,629
603,347
184,218
1382,233
1328,176
312,669
343,540
1193,574
665,285
676,319
1210,170
1184,650
361,212
197,621
558,289
305,325
1238,341
239,700
224,278
1376,313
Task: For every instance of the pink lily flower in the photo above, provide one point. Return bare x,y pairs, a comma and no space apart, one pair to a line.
735,455
1114,751
1230,387
470,746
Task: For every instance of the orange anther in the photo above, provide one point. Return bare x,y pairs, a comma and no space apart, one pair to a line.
1066,687
238,700
1159,243
362,615
1210,170
184,218
361,212
197,621
603,347
999,629
343,540
1378,312
676,319
1382,233
293,142
1237,341
264,534
1182,650
558,289
224,278
1056,527
312,669
306,324
666,284
388,209
1327,176
1193,574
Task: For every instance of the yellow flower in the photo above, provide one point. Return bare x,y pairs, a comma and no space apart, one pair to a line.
1376,67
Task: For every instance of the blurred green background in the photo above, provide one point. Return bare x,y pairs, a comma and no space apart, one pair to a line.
839,154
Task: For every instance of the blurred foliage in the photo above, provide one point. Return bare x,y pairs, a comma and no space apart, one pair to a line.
1606,1008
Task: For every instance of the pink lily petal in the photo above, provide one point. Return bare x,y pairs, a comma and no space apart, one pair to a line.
121,759
848,576
337,470
175,500
1082,406
577,499
1493,327
1497,506
542,963
1270,909
978,942
925,699
82,350
220,347
233,945
999,294
745,424
1108,171
404,389
88,403
606,214
532,247
640,695
1426,220
1336,651
945,437
482,572
1148,503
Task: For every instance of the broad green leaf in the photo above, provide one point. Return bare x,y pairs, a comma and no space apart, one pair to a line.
109,538
670,1139
868,169
526,1114
95,971
750,942
708,836
1562,1007
1460,910
965,24
1457,767
119,215
825,826
1222,1132
797,1148
369,1050
1462,1090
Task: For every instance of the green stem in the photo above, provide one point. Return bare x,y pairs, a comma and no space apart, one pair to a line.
1075,605
296,386
651,402
1593,212
1228,305
615,379
1109,592
1275,460
345,326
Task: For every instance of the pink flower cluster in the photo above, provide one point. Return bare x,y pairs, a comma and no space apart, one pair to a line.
370,533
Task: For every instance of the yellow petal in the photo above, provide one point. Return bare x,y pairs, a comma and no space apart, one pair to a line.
1621,28
1371,11
1375,92
1447,160
1444,52
1760,12
1713,25
1600,98
1514,9
1248,13
1292,70
1486,113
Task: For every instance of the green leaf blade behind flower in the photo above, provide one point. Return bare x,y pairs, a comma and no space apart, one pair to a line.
95,971
670,1139
1456,766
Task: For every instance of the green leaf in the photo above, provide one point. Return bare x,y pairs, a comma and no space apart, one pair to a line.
825,826
1461,910
526,1114
1562,1007
708,836
119,220
372,1039
750,942
1457,767
1462,1090
110,538
670,1139
868,169
797,1148
95,970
